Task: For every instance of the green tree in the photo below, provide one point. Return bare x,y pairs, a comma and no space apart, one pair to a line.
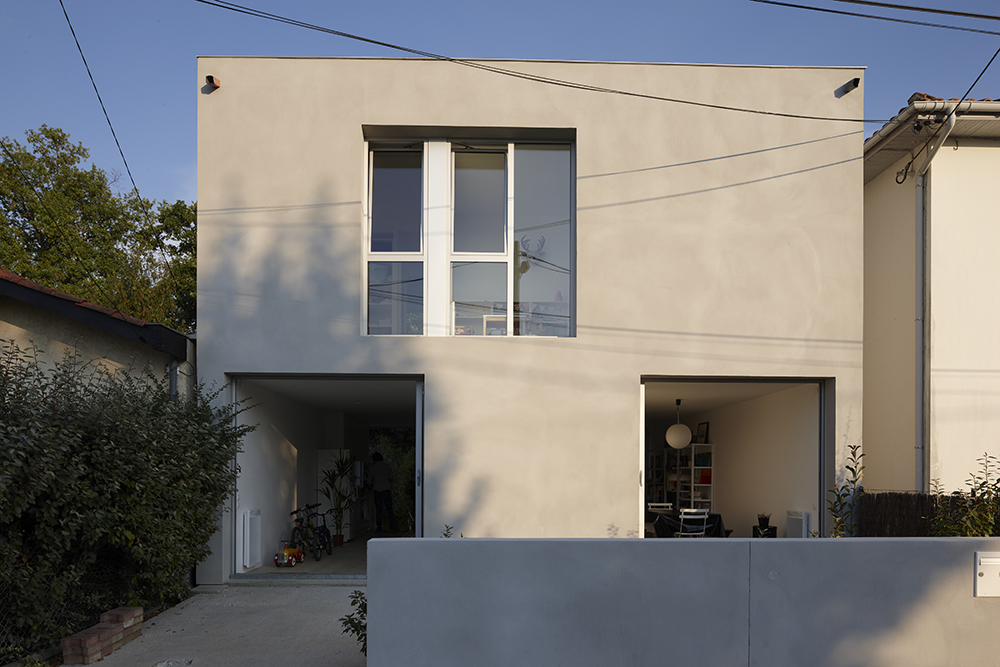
62,225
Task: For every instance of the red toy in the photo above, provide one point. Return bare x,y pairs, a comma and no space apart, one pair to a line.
289,555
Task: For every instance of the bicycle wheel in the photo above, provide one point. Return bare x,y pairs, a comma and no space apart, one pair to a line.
329,542
298,537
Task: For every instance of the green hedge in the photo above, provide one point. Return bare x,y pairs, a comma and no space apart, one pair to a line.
109,492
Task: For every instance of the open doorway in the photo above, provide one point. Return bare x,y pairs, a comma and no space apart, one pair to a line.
307,424
759,446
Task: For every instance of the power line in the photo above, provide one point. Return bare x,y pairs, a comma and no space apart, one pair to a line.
838,12
905,170
142,204
928,10
94,84
231,6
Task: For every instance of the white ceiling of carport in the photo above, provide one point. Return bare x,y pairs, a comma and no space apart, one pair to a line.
389,401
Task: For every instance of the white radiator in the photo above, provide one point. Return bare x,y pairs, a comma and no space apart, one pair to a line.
797,524
251,538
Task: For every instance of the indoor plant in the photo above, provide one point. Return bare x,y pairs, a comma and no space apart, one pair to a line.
335,480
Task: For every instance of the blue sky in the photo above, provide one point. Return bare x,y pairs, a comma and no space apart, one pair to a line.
142,54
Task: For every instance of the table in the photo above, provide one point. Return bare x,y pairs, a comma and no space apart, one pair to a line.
666,525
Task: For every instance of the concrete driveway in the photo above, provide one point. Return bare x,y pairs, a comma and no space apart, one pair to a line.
248,625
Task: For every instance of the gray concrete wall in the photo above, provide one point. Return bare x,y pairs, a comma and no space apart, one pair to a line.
774,603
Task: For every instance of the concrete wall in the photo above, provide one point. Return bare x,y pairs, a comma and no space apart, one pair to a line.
964,234
709,243
890,384
774,603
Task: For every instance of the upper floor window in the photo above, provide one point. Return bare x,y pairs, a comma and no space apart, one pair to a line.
470,239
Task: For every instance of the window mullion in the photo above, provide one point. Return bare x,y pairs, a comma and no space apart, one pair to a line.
511,259
437,215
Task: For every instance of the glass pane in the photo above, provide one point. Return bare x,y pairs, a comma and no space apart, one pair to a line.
397,183
396,298
543,236
479,298
480,202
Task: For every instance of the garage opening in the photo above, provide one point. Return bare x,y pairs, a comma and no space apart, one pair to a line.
308,427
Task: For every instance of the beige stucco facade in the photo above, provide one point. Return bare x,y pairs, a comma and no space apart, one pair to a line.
709,243
932,301
53,336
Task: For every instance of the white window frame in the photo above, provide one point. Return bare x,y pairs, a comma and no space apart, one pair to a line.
437,238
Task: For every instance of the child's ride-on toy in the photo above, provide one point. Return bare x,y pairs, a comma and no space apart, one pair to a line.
289,555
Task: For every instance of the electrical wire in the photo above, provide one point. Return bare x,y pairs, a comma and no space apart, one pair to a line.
826,10
142,203
231,6
928,10
94,84
902,174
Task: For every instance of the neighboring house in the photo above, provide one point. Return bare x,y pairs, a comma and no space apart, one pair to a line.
932,294
530,275
57,324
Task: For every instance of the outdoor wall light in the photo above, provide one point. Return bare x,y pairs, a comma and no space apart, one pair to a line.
212,81
852,84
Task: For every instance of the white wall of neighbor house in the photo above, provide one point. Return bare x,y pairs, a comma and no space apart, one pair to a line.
890,357
708,242
55,336
965,309
766,458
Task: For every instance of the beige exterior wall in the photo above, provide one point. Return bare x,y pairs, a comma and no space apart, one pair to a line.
890,389
964,233
56,336
709,243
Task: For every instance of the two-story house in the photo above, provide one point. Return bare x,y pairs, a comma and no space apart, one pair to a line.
528,264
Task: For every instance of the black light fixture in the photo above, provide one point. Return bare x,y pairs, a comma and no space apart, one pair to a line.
212,81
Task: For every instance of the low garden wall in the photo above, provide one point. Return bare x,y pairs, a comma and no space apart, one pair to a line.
852,601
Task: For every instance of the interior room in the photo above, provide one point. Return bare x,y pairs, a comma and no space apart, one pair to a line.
756,448
305,425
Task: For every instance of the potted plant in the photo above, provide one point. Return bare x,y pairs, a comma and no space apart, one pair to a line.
335,480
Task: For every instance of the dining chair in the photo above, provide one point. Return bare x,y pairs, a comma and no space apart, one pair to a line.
690,518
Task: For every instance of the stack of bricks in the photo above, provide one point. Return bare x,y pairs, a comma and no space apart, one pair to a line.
117,628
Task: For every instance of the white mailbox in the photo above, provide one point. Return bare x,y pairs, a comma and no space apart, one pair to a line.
987,574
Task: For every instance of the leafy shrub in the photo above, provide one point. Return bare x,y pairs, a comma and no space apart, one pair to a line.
356,623
843,505
109,492
975,513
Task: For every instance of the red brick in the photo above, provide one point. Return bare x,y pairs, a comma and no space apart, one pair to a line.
124,615
82,638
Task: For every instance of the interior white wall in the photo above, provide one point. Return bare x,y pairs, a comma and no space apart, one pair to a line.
964,290
766,458
890,356
274,462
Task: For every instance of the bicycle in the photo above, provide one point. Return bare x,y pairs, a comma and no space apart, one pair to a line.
324,538
303,535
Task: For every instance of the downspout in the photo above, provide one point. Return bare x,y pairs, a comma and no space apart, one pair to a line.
173,380
922,307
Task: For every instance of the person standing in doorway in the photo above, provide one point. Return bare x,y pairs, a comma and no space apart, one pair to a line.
380,478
